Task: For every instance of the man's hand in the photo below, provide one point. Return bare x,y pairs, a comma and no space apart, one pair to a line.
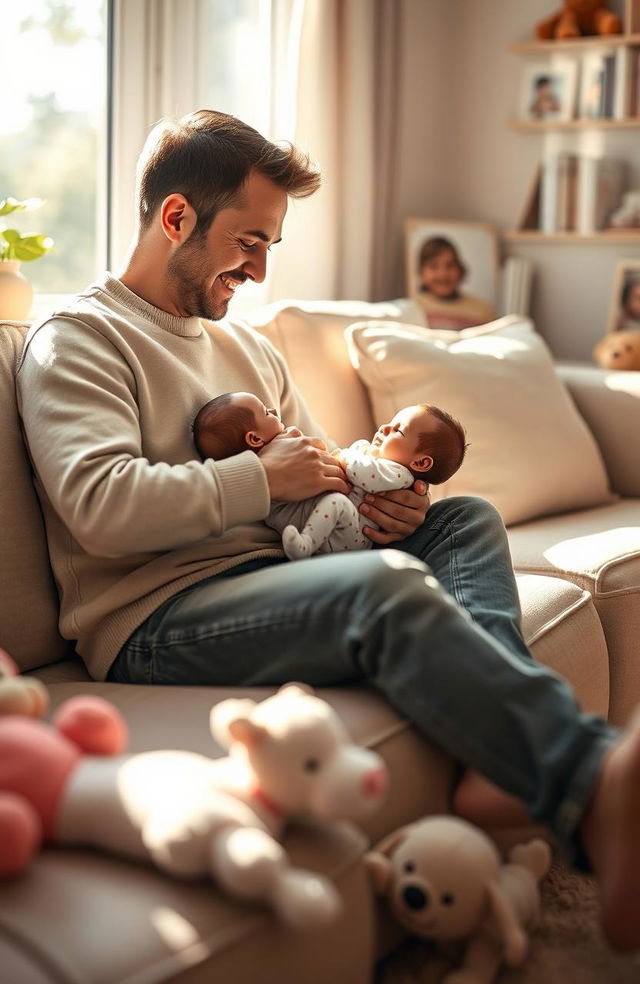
298,467
398,513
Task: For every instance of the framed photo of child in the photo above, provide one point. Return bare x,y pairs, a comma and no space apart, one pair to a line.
624,312
548,90
452,271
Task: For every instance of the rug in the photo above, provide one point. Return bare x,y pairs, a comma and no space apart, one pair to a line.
567,946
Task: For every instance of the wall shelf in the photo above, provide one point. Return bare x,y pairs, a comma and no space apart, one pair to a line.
613,236
573,44
538,126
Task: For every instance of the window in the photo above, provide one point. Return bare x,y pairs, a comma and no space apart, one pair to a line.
53,133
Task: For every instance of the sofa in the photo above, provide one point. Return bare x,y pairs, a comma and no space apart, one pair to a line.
82,918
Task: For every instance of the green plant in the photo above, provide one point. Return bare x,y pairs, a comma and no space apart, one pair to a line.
14,246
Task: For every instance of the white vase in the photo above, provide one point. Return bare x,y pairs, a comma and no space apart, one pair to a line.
16,293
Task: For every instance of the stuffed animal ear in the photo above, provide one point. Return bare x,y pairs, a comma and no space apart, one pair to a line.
513,936
222,715
378,867
296,689
389,843
247,732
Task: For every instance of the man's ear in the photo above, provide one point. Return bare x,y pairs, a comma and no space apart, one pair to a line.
423,464
252,440
178,218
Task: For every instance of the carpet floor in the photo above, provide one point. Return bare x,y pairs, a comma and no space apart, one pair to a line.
566,945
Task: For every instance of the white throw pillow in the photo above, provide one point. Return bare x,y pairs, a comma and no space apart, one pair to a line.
530,453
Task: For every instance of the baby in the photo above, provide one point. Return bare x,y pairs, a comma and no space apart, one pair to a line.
420,442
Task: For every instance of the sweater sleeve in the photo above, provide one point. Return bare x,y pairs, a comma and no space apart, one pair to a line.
76,396
371,473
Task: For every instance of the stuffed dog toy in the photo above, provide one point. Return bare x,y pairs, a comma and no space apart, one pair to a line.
444,881
20,694
579,17
192,816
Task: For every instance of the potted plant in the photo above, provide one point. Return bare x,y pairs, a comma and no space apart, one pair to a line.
16,292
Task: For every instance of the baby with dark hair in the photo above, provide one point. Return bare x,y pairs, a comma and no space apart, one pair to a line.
421,441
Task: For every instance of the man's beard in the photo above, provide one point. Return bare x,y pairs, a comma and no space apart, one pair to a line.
187,273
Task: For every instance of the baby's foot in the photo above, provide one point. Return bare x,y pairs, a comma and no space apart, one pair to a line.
295,544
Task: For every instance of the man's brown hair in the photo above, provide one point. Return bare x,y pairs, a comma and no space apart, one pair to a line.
207,156
219,428
447,445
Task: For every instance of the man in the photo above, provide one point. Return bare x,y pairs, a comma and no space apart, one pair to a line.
168,575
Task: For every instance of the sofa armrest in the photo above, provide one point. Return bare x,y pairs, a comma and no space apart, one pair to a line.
609,401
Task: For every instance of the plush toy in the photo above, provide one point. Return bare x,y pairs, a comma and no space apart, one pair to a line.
445,882
192,816
20,694
579,17
618,350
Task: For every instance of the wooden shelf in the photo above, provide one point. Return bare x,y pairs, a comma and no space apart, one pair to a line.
613,236
541,126
573,44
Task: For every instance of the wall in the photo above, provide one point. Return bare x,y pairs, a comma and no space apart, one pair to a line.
476,168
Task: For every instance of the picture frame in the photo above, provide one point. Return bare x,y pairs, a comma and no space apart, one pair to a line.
452,271
548,90
624,310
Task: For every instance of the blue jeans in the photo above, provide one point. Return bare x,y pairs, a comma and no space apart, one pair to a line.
433,624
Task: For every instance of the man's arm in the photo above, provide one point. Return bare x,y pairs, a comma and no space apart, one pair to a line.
76,396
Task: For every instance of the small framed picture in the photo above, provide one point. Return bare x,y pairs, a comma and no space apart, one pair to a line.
452,271
624,313
548,90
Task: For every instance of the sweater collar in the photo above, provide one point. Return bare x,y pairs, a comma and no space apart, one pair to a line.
186,327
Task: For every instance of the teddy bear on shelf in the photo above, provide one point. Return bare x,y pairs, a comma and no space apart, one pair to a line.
445,882
618,350
192,816
20,694
579,17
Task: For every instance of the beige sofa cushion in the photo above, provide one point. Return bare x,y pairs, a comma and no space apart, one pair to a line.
530,453
310,335
28,597
599,550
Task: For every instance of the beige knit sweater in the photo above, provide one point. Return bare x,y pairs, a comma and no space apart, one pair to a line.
107,391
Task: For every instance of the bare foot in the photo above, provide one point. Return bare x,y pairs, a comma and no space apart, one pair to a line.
610,831
479,801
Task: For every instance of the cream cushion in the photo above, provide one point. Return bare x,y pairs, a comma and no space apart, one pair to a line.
28,597
530,453
599,550
310,336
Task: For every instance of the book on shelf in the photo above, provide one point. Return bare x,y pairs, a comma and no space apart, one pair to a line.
600,185
634,108
604,84
558,193
572,193
515,293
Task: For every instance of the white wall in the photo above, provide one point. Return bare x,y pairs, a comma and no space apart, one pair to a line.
463,162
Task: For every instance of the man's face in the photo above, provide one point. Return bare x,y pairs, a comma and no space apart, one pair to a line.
205,271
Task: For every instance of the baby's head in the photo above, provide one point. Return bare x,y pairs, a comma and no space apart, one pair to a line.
426,440
232,423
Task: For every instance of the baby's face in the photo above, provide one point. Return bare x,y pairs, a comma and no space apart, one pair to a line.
398,440
267,422
441,274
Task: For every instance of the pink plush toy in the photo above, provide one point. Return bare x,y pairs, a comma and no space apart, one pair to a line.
445,882
192,816
20,694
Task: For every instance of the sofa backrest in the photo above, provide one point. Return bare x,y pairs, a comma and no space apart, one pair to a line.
28,596
310,335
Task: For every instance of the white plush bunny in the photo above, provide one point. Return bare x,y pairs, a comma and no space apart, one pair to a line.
289,756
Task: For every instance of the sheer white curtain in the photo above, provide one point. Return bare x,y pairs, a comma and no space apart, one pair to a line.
344,114
321,73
